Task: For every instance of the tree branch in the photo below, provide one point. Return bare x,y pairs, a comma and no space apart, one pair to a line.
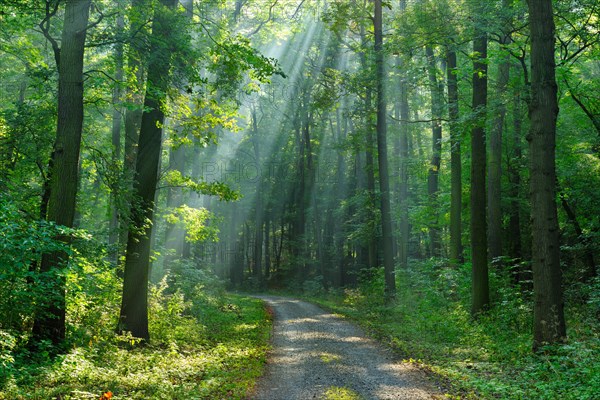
100,18
298,9
87,74
419,121
259,27
45,27
595,120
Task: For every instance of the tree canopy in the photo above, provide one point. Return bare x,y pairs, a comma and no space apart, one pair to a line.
392,154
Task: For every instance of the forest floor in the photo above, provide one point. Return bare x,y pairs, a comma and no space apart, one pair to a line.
320,355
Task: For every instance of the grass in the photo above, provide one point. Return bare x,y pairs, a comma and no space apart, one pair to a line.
208,346
487,358
340,393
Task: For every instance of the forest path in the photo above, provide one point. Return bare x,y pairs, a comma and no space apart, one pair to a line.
316,353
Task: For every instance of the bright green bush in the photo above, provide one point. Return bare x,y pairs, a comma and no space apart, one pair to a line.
204,345
22,241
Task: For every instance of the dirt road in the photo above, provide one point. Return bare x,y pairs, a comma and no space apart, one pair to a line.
317,355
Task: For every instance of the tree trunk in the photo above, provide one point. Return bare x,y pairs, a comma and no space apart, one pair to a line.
50,322
437,91
548,315
480,290
372,246
370,170
384,184
234,251
113,233
495,154
403,187
174,234
515,248
267,273
134,307
133,113
258,204
590,263
456,249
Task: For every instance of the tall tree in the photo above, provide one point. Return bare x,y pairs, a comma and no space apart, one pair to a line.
456,250
495,144
50,320
258,204
437,93
384,184
480,290
548,315
134,306
117,116
372,247
514,247
136,52
403,113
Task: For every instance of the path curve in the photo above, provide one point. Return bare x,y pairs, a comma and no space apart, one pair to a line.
315,352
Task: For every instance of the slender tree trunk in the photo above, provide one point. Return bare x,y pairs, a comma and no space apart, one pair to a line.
299,220
267,273
133,113
515,249
548,314
456,250
403,195
495,155
401,146
174,234
50,321
258,236
113,234
437,91
372,245
341,193
134,307
280,247
384,184
588,255
370,170
309,182
480,290
258,204
233,252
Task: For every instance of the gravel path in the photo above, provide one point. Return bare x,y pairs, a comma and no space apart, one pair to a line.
315,352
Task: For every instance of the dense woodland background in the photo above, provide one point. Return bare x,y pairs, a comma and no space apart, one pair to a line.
429,166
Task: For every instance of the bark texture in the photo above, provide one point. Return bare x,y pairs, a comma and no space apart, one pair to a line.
480,290
384,184
455,162
134,307
50,320
437,92
548,315
495,163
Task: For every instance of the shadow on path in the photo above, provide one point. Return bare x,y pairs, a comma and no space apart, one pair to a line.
314,351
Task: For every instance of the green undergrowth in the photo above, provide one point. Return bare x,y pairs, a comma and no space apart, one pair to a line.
487,358
204,345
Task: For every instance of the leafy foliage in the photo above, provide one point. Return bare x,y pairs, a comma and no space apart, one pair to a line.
193,354
220,189
487,358
193,220
22,241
